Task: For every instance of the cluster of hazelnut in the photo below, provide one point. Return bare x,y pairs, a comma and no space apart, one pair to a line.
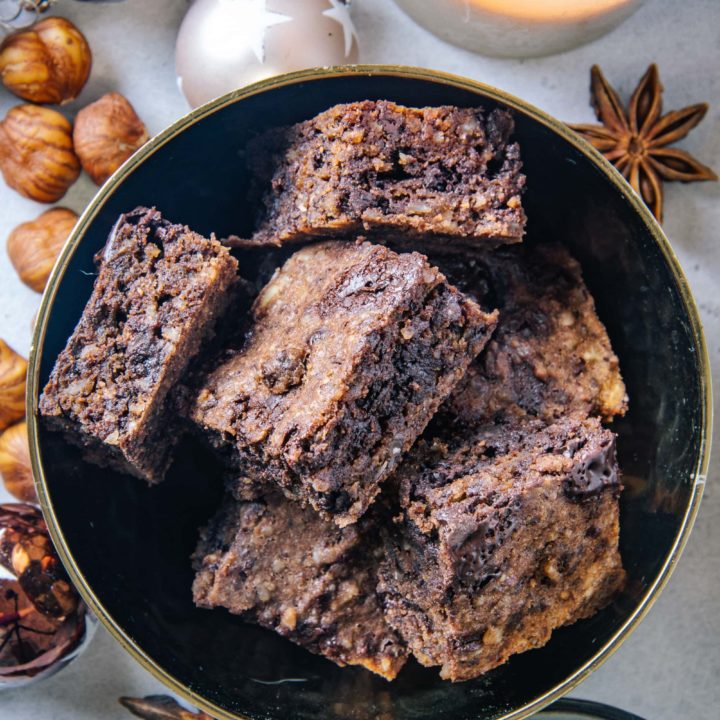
41,153
43,624
42,621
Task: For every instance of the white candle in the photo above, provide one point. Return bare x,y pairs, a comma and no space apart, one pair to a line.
519,28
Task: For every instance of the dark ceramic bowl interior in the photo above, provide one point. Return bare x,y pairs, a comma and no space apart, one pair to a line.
584,710
128,545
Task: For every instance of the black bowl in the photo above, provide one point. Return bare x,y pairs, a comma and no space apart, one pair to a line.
126,545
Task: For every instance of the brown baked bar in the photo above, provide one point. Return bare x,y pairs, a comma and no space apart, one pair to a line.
550,354
446,176
352,350
158,291
503,535
285,568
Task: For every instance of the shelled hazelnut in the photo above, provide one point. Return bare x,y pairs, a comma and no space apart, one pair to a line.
36,153
15,463
33,246
13,369
107,132
47,63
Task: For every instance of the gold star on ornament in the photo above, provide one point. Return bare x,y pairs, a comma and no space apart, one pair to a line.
340,12
247,21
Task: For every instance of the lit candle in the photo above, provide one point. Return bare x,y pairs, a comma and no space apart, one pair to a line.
519,28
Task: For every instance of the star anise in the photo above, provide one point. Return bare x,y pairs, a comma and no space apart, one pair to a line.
636,139
160,707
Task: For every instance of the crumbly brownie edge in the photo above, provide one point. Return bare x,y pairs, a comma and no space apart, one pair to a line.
439,218
465,602
238,562
149,456
442,356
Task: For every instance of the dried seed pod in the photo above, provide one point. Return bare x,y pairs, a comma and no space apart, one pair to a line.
33,246
106,134
160,707
47,63
15,465
28,553
36,153
13,369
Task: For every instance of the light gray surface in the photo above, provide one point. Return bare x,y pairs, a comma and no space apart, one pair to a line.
670,667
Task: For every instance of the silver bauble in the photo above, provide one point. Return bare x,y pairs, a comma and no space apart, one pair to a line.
225,44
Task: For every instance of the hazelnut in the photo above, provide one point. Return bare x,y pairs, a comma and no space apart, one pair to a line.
106,134
34,246
36,153
13,370
15,463
46,63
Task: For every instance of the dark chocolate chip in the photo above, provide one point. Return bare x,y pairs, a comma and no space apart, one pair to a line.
595,470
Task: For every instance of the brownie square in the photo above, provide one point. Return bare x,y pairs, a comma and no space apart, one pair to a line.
443,176
282,566
550,353
352,349
503,534
158,291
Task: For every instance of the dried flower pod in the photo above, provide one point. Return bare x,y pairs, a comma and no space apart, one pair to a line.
28,553
33,246
13,369
47,63
15,465
36,153
160,707
107,132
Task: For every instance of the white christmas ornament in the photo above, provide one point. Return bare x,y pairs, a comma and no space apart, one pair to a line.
225,44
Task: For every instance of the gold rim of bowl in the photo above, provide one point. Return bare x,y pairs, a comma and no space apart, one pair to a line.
310,75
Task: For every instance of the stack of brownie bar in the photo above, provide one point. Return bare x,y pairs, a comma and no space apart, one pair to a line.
411,425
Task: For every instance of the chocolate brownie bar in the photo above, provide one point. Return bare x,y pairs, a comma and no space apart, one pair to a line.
352,350
503,535
284,567
446,176
158,291
550,354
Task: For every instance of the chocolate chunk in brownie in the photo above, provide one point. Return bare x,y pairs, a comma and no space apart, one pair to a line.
284,567
445,176
353,348
157,294
503,535
550,354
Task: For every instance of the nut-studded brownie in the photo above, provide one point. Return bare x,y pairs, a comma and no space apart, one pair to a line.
445,176
503,535
284,567
550,353
352,349
157,294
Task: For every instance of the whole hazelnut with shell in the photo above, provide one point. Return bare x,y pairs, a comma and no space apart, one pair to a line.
13,369
47,63
33,246
15,465
36,153
107,132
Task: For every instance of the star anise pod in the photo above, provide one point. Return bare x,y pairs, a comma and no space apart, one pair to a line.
636,139
160,707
